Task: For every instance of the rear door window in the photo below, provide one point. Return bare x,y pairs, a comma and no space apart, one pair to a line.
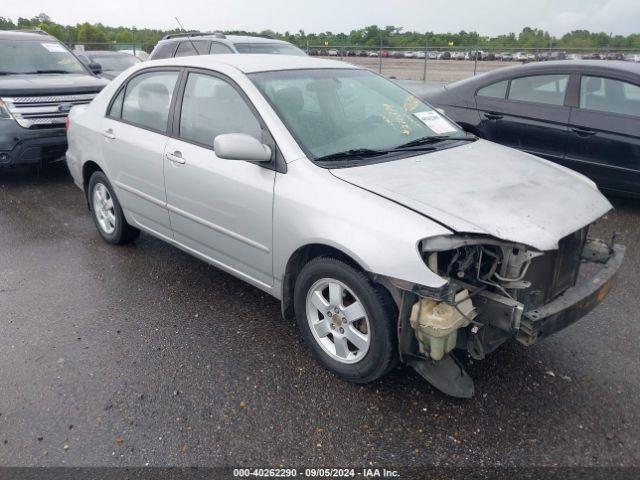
609,95
542,89
147,99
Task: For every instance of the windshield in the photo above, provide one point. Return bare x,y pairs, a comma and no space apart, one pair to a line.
37,57
116,63
344,110
269,48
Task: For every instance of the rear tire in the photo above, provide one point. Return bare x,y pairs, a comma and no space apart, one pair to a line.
348,321
107,212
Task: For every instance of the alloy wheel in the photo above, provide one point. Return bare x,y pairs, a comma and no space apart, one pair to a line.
338,321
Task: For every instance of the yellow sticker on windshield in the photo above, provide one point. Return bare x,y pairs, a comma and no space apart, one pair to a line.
396,118
411,103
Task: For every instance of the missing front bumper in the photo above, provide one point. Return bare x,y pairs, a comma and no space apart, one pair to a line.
573,304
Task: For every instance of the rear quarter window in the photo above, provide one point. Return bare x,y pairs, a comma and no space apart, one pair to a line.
495,90
163,50
217,47
192,47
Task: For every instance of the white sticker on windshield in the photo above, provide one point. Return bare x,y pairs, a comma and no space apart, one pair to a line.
54,47
435,122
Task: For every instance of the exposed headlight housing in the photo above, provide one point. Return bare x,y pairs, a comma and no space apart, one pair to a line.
4,111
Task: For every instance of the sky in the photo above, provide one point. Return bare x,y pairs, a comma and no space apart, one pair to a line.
488,17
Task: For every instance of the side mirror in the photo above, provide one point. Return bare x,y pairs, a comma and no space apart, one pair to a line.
95,68
240,146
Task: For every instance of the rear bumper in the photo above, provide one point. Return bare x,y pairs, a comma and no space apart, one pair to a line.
20,146
573,304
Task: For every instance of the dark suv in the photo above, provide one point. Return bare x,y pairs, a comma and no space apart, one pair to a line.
198,43
40,80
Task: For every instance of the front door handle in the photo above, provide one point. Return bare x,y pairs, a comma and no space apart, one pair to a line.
176,157
583,132
493,116
109,134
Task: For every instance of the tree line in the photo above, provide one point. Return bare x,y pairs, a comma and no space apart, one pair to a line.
371,36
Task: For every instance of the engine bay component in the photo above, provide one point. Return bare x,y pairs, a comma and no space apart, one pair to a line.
596,250
436,324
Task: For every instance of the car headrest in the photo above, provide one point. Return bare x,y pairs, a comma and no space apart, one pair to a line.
226,92
594,84
290,99
150,89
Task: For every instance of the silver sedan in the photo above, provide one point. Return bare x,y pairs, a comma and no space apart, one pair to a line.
387,232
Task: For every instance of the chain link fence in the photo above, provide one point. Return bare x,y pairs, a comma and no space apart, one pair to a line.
447,64
434,64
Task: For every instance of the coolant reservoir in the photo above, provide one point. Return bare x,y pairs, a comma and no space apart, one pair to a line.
436,323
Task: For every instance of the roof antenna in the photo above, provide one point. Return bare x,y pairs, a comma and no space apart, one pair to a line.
188,36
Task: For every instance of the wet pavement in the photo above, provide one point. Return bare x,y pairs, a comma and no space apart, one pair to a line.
144,355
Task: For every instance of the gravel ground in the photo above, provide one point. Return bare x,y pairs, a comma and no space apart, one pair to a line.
140,355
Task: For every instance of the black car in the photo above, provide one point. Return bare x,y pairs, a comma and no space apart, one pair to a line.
111,63
582,114
40,80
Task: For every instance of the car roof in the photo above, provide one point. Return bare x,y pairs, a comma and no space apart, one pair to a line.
29,35
571,66
252,63
550,67
102,53
231,39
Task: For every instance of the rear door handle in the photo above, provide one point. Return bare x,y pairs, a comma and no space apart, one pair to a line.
176,157
109,134
493,116
583,132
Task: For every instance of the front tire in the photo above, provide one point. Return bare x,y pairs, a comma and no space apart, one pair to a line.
107,212
348,321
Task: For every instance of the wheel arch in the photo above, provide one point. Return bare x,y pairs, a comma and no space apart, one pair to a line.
298,259
89,168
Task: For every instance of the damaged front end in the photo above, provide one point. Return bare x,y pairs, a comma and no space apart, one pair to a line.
495,291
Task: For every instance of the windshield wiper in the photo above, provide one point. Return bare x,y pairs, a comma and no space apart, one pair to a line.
354,153
8,73
435,139
361,153
45,71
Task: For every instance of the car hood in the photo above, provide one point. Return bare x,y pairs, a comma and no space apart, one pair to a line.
110,74
487,189
50,84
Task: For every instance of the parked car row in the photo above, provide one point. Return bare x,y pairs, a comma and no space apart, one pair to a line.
523,57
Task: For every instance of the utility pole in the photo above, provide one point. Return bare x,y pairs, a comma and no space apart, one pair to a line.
426,54
475,63
380,57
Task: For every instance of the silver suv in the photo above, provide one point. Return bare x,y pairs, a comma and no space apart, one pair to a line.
386,231
198,43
